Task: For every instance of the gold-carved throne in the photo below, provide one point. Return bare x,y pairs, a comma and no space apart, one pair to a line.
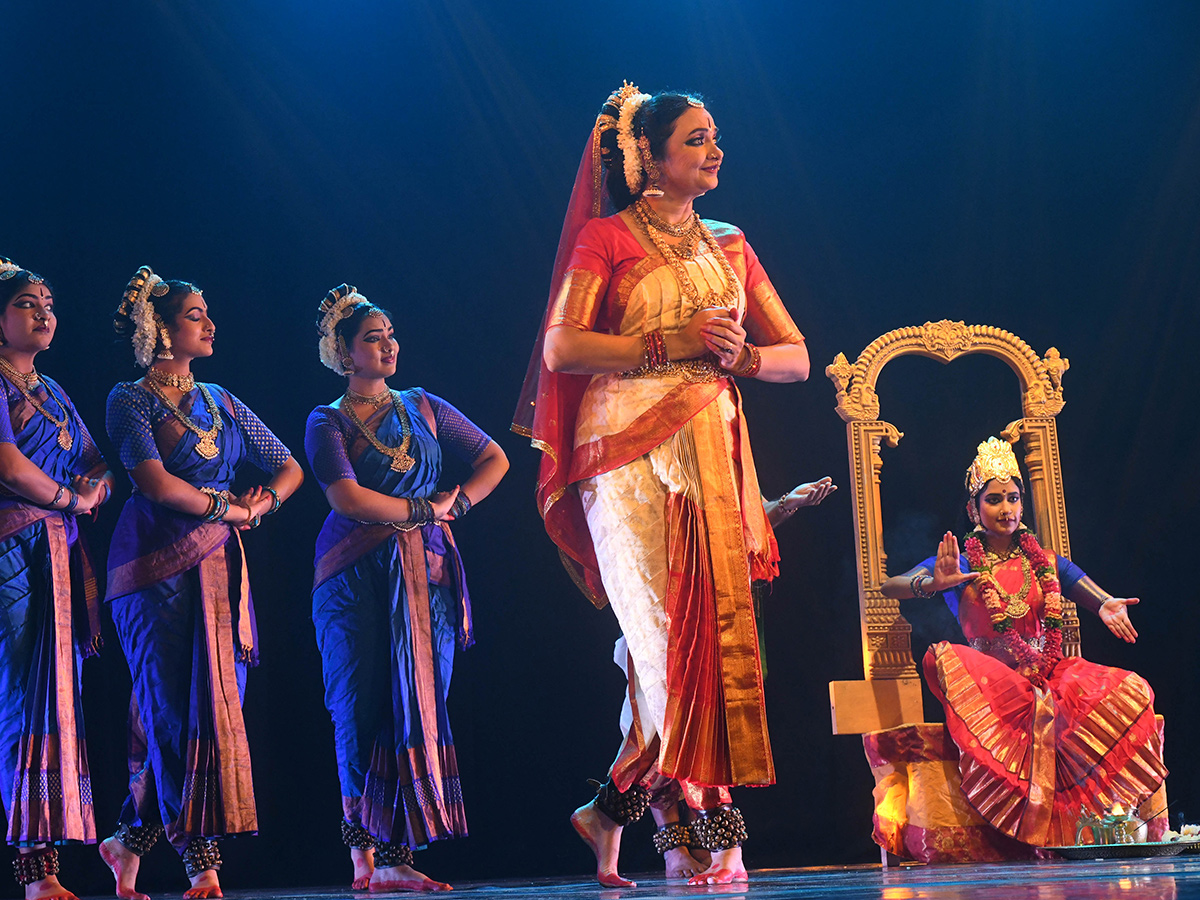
919,811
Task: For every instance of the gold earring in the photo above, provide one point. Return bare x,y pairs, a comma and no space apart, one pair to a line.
651,167
165,340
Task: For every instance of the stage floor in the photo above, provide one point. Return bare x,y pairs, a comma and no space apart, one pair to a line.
1148,879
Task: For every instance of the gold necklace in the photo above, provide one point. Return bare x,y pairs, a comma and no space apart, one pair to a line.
401,461
375,400
689,232
183,382
675,256
22,383
30,380
1015,605
206,446
687,227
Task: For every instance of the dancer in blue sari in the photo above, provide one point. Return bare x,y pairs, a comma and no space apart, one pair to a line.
50,472
179,589
389,597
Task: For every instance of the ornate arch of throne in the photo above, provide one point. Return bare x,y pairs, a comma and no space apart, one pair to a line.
919,810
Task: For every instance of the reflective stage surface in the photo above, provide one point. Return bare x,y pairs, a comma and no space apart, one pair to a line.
1149,879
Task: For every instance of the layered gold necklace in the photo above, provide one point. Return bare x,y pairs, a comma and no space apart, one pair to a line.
693,232
1016,604
206,444
23,382
401,461
184,382
375,400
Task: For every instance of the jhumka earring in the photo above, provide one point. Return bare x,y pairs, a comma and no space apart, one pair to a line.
347,361
651,167
165,340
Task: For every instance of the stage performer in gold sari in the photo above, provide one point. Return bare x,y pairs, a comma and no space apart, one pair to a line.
1040,737
647,484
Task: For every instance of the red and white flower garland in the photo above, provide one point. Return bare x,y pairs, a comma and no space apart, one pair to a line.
1029,662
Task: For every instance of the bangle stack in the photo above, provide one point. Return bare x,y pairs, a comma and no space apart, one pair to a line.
751,368
275,502
72,503
420,511
656,348
462,504
917,585
218,504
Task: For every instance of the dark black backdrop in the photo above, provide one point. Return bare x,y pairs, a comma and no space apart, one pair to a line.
1032,166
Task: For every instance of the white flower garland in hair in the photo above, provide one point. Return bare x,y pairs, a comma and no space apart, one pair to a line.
145,323
8,269
628,143
331,357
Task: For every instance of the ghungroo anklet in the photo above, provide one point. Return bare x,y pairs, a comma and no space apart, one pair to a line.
356,837
622,807
200,855
137,839
35,865
389,854
672,836
719,829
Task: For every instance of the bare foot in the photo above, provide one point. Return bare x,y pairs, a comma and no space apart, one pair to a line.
403,878
681,863
47,888
726,868
204,886
364,865
603,835
124,864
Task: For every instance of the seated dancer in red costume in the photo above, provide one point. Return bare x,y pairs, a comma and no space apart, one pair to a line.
1040,737
647,483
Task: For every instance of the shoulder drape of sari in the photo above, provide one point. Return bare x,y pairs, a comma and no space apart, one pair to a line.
343,541
593,297
37,439
152,542
51,790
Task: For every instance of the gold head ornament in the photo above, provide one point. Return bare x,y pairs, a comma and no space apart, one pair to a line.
136,309
995,459
9,269
339,304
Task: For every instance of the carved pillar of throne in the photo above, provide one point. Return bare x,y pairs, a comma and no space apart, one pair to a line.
908,756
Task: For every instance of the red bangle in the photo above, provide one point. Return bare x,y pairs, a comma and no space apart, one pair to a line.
656,348
754,365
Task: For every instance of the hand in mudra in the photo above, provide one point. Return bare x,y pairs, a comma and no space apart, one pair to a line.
1114,612
808,494
946,572
724,335
442,503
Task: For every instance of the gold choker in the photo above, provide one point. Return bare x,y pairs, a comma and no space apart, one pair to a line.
375,400
184,383
30,380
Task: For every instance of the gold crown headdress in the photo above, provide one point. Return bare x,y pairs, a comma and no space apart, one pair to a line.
339,304
9,269
995,459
